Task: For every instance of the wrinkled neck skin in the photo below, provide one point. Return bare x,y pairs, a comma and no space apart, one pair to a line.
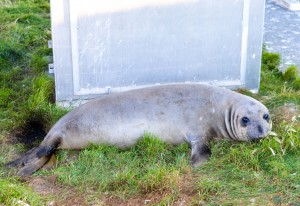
230,120
231,124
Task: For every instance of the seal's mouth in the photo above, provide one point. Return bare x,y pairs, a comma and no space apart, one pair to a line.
257,133
255,139
258,137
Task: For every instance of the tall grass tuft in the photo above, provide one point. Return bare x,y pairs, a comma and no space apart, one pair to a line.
42,92
270,61
291,73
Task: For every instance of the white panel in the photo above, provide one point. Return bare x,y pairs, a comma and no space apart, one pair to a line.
151,42
105,46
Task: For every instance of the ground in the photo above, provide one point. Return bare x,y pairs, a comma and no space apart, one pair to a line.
153,173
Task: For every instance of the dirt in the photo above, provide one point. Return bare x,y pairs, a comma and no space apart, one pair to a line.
184,197
286,113
44,186
30,135
48,186
149,199
59,195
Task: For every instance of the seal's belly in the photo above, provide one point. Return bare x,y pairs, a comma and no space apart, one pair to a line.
122,135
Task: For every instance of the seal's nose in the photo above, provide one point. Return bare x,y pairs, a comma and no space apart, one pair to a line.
260,130
257,133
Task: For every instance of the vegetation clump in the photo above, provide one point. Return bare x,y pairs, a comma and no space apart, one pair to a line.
291,73
271,62
296,83
270,65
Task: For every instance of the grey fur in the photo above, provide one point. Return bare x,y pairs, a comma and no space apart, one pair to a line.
178,113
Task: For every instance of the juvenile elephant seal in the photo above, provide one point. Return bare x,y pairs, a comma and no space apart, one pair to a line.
177,113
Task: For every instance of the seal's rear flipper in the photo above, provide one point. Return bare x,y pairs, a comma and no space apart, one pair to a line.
35,158
33,165
23,159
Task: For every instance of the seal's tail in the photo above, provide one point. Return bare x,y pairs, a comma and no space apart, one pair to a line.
35,158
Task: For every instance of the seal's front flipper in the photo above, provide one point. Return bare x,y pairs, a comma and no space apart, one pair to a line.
35,158
50,164
200,153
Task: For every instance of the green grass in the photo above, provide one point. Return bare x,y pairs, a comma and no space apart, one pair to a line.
12,191
25,30
151,166
291,73
243,173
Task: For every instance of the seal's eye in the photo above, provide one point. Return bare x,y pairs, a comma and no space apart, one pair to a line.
245,121
266,117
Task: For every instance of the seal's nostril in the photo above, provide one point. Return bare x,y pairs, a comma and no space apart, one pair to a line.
260,130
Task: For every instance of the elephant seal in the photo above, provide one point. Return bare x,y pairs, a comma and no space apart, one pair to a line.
176,113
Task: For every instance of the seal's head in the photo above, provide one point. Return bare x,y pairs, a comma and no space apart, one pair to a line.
249,120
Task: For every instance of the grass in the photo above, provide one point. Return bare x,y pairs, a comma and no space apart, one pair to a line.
150,166
259,173
14,193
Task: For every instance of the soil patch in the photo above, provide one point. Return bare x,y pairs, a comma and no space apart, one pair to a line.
57,194
29,135
286,113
